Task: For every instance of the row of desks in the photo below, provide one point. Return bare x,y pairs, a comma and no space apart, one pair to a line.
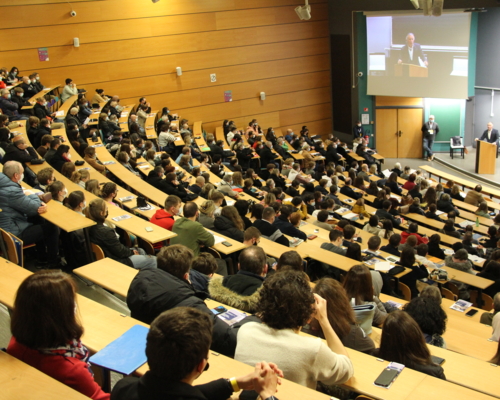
117,278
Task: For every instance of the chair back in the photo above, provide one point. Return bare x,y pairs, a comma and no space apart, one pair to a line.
405,291
448,294
10,248
98,253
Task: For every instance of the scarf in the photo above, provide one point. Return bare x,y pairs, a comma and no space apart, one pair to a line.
74,349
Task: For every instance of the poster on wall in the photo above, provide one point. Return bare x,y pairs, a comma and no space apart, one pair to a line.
228,95
43,54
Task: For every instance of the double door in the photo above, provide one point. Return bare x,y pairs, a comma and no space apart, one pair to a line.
399,132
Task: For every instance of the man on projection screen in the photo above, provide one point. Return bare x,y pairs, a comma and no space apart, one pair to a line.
411,52
429,130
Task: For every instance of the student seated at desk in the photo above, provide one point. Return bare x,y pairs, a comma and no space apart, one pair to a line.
107,239
341,317
402,341
286,304
268,230
372,226
242,290
177,351
46,331
358,285
155,290
430,317
392,246
229,223
418,271
61,156
413,231
165,217
202,270
322,220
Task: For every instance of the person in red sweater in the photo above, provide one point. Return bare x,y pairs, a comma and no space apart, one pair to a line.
413,231
165,217
46,332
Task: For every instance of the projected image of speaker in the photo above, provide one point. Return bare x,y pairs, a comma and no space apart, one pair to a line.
410,55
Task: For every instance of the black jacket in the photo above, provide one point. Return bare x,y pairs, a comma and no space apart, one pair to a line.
157,182
271,232
29,90
106,239
394,187
446,206
383,214
20,101
225,226
42,130
435,251
72,119
292,191
287,228
281,151
244,283
244,156
151,387
57,162
410,279
391,250
15,154
331,155
266,156
416,210
41,111
177,190
153,291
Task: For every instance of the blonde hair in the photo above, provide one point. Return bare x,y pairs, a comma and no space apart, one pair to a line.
208,208
84,174
76,177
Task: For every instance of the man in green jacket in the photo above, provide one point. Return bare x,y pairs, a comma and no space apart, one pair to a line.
193,235
190,232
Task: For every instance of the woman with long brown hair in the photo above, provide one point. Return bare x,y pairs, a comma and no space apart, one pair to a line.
229,223
402,341
46,331
341,317
358,286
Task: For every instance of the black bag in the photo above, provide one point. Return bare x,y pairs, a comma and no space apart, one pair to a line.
191,196
141,202
456,140
396,270
37,161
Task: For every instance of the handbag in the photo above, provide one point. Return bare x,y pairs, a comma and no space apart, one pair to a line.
364,315
439,275
396,270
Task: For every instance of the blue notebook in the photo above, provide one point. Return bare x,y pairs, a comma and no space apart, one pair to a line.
125,354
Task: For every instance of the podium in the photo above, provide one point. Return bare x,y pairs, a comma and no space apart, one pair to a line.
411,70
486,157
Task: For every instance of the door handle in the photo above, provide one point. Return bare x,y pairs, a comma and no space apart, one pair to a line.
400,133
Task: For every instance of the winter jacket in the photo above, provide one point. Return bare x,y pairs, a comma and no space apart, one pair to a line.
287,228
226,227
16,206
13,153
270,232
241,291
153,291
106,239
191,234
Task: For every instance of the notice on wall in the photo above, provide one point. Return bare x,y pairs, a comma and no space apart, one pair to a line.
228,95
365,119
43,54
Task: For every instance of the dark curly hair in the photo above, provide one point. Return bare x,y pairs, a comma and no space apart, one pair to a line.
286,300
429,315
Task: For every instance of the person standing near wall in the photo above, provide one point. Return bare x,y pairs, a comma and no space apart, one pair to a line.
429,130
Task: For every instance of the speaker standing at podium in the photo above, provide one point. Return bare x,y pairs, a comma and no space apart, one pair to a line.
490,135
430,130
411,52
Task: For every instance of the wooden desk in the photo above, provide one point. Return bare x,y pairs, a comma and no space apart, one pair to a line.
460,181
437,225
42,93
149,126
21,381
63,110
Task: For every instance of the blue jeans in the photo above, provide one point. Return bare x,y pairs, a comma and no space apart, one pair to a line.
142,260
428,146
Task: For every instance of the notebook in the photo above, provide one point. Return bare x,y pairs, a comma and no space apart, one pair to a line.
125,354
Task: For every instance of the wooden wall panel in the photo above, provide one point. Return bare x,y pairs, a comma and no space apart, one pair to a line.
70,56
131,48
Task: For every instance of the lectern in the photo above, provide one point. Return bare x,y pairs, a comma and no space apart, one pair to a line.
411,70
486,157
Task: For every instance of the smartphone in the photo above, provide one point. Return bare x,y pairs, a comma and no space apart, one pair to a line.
219,310
386,377
470,313
437,360
227,244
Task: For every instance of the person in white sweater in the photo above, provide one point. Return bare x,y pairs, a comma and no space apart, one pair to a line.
286,304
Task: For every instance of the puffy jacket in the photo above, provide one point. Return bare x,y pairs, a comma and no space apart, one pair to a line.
106,239
241,291
226,227
9,107
15,206
153,291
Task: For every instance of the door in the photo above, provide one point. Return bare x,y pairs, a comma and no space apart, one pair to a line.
387,132
410,128
399,132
